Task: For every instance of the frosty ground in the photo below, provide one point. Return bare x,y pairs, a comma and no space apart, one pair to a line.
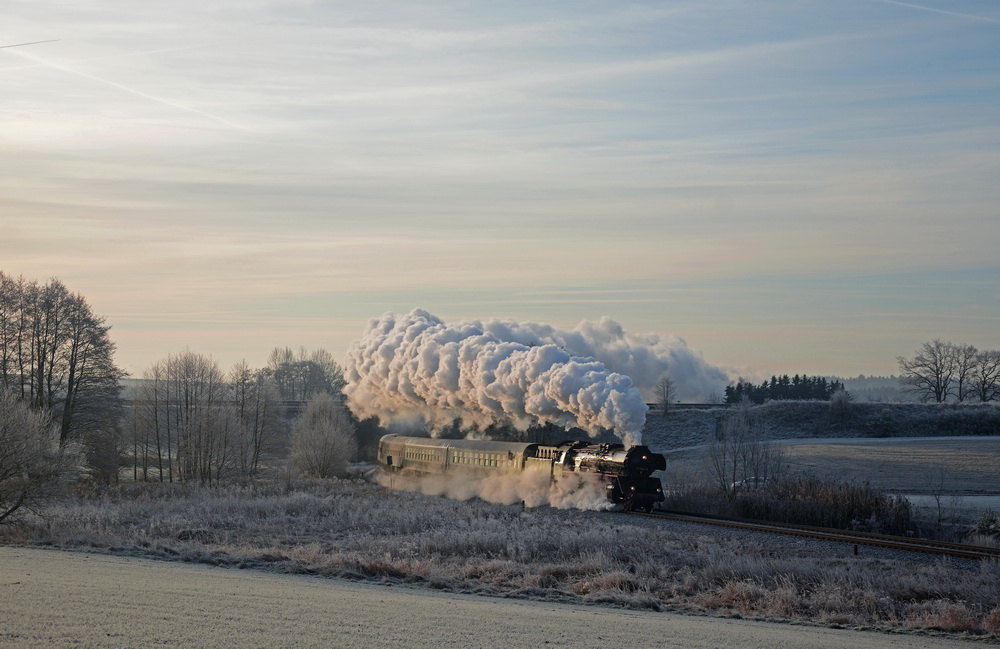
55,599
359,531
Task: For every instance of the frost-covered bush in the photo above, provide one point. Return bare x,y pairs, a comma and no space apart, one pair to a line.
34,468
882,424
840,406
988,525
323,440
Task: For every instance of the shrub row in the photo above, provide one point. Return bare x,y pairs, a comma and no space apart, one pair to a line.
805,500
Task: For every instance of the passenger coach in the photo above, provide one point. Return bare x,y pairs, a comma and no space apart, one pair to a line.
626,473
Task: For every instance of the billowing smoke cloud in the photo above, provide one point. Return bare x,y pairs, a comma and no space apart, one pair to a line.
645,358
417,369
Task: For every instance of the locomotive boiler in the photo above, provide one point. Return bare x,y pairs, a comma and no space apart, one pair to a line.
625,473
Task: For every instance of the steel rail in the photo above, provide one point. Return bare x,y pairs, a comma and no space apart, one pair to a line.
843,536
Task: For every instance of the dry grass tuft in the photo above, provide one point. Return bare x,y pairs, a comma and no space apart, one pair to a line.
945,616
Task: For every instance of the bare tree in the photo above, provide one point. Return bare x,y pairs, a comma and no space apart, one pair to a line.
986,376
33,465
930,373
665,393
190,422
966,357
324,440
332,370
188,418
937,480
299,377
106,451
258,408
741,454
204,425
152,436
56,355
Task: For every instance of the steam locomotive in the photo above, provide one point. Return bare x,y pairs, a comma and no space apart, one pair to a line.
626,473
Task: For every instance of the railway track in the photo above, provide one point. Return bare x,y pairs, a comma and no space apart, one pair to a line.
842,536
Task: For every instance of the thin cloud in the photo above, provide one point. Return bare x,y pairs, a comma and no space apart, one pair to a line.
958,14
490,89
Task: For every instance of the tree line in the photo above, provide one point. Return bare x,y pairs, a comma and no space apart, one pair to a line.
192,422
62,407
796,388
943,371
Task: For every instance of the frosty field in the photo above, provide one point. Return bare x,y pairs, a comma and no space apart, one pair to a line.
963,466
55,599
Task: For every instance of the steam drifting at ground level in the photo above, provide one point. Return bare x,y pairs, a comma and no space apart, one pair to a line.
533,488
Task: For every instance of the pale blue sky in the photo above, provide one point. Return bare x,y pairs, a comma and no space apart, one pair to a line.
789,186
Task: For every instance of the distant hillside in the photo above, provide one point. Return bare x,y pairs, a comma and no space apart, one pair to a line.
877,389
815,419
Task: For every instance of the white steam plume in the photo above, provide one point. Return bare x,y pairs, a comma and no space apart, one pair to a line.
417,369
643,357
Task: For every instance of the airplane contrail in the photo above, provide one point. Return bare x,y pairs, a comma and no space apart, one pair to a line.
31,43
139,93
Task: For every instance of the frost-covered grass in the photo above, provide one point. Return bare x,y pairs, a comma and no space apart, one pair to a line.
356,530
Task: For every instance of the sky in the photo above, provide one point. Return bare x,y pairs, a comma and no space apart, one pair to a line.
801,187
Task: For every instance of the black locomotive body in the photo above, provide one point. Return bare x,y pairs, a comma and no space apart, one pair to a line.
626,473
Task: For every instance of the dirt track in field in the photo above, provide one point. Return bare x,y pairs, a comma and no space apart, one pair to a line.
57,599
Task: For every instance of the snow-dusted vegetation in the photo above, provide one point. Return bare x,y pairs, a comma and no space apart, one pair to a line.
356,530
